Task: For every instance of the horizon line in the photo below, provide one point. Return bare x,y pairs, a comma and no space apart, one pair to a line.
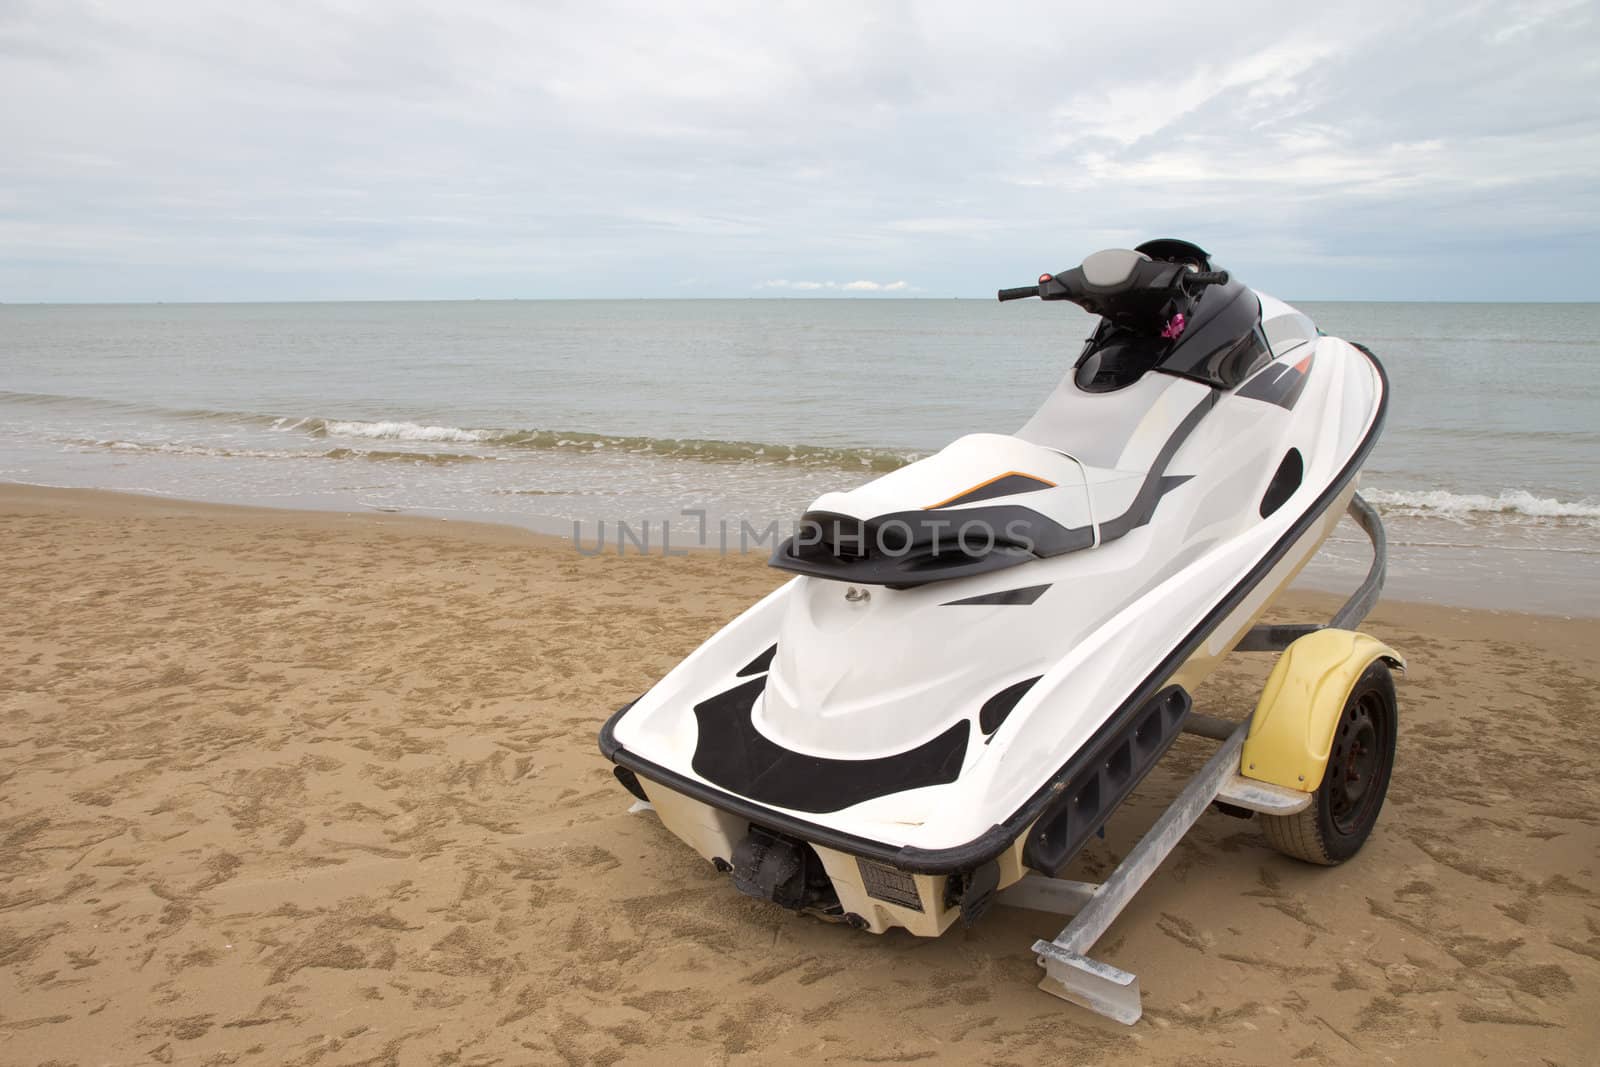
680,299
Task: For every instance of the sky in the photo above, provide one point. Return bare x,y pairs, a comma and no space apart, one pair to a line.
382,149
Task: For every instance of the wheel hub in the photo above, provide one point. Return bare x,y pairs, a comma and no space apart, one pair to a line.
1352,765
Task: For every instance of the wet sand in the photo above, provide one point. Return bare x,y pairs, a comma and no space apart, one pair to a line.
293,788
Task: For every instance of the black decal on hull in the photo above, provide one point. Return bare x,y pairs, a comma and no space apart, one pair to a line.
1279,383
1155,483
733,754
1026,595
760,665
997,707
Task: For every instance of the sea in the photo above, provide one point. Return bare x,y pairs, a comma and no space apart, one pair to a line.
712,419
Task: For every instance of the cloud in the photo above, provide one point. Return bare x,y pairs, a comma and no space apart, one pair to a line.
182,150
784,283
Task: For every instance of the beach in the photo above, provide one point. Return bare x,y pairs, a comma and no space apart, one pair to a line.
295,787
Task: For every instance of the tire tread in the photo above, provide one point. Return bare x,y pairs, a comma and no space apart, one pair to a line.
1298,835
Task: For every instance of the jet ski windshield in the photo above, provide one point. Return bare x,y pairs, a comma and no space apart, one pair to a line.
1158,313
1223,343
1215,339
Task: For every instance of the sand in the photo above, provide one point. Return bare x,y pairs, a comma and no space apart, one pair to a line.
295,788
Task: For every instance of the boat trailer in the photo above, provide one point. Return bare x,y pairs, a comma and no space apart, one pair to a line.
1070,972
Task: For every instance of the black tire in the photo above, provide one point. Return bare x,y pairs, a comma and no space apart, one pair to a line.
1346,805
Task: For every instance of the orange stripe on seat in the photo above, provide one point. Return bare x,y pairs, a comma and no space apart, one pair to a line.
1044,483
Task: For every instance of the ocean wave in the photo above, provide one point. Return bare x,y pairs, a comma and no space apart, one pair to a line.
12,396
391,431
1508,503
383,456
405,431
179,448
1497,545
485,442
1507,340
869,459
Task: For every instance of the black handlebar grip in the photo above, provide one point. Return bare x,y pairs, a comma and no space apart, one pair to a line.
1207,277
1021,292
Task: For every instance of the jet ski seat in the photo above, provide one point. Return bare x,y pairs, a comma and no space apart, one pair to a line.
1122,441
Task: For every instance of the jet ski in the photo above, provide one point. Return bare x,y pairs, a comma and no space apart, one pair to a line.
982,653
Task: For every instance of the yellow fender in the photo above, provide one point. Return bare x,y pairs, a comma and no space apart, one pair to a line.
1292,729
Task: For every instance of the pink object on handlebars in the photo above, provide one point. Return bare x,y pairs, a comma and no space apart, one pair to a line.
1174,327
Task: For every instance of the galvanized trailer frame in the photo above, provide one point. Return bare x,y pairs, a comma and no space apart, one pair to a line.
1070,973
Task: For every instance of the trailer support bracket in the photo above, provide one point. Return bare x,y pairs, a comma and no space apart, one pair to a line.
1100,987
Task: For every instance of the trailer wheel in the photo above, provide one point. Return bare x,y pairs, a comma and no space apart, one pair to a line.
1345,806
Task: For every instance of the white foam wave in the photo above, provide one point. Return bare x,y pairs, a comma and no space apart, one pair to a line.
181,448
175,448
1511,503
403,431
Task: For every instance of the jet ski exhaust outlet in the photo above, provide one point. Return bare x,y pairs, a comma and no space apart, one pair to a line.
786,871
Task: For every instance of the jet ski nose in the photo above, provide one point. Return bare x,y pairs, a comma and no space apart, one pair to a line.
854,675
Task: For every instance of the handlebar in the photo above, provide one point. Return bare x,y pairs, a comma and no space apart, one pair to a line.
1063,286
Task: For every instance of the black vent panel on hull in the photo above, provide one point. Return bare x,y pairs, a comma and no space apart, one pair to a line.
1102,777
889,885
